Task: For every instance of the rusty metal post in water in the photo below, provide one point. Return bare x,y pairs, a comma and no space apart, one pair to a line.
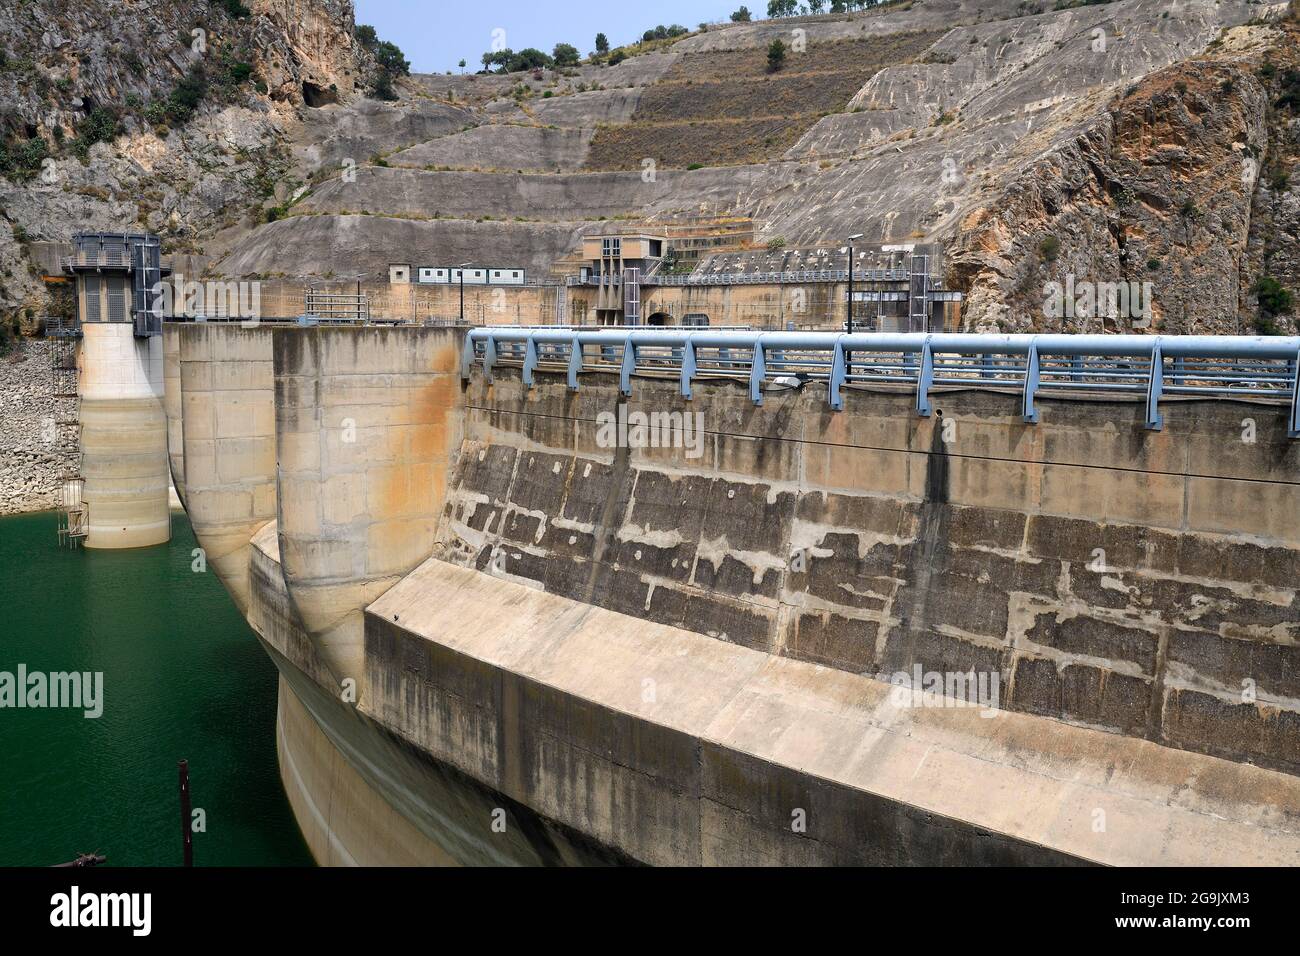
187,835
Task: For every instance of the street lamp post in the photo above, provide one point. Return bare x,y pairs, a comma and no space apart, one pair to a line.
848,327
852,239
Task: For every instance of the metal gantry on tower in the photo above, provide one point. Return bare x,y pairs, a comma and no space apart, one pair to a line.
63,335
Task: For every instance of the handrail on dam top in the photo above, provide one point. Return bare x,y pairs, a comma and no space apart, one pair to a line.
1149,366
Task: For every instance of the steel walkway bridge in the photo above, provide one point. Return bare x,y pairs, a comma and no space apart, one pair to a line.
1148,366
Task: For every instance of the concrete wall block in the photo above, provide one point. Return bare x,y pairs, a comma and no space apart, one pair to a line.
984,483
1095,638
731,576
865,470
936,651
215,507
307,559
1216,447
1078,692
596,489
241,415
196,375
736,622
246,461
853,574
1257,732
1259,509
343,498
954,602
873,513
1234,666
1136,497
540,482
201,464
763,459
824,637
1126,546
391,547
986,528
255,373
454,716
198,416
487,470
1110,436
1229,559
750,517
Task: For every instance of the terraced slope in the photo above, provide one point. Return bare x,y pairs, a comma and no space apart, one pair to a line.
727,107
948,121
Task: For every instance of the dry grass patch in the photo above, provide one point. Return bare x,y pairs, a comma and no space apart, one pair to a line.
725,107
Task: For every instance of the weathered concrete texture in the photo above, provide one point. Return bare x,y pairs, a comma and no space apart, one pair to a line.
332,135
227,399
665,656
123,438
684,750
503,147
343,820
365,423
363,795
563,197
359,245
1140,582
271,612
172,409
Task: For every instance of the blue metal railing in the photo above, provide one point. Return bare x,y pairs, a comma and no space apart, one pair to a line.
1149,366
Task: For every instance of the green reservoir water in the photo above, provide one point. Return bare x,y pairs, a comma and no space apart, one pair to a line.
183,677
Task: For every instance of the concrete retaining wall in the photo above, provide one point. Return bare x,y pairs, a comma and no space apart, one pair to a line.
680,749
365,424
1140,582
228,433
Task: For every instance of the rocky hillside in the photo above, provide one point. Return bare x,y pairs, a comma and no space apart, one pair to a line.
1189,179
170,116
1039,142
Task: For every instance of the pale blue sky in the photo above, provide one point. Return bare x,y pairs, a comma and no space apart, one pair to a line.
436,36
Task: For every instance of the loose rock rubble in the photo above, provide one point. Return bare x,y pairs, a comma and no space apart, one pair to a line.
30,468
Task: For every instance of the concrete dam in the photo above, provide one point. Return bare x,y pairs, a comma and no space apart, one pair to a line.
844,620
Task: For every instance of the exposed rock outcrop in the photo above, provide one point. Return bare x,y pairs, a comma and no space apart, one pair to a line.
171,118
1173,183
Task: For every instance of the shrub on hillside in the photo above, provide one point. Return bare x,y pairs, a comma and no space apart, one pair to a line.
1274,298
565,54
390,62
22,160
775,56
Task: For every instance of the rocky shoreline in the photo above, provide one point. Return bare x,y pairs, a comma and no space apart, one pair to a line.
29,465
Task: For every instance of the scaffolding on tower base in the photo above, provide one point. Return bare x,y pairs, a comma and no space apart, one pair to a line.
64,428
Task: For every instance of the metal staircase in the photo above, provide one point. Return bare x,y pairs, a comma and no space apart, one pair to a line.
65,421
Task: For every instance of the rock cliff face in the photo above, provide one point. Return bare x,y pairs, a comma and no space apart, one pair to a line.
1181,181
167,116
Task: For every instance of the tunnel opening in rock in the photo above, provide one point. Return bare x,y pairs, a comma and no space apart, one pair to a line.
317,96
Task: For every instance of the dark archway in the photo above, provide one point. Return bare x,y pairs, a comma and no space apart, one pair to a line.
660,318
316,96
